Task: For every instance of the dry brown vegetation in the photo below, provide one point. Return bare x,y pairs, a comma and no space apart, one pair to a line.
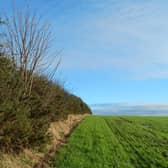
28,158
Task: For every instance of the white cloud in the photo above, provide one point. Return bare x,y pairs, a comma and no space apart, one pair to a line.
128,109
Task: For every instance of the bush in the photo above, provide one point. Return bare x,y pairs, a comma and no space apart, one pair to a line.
25,119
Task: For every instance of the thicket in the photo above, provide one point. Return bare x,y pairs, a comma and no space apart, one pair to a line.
24,121
29,101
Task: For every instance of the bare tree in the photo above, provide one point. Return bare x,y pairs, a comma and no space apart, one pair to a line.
28,41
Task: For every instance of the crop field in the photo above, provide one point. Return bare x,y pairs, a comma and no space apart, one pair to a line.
116,142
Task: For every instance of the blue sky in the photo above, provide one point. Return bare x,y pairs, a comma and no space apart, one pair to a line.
112,50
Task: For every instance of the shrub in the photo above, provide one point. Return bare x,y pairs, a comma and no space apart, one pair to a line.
25,119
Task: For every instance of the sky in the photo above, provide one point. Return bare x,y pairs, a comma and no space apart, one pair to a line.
113,51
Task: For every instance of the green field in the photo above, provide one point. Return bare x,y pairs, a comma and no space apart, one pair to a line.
116,142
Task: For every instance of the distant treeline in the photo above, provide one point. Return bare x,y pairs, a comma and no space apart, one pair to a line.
29,101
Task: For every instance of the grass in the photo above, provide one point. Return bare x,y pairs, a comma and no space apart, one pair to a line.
116,142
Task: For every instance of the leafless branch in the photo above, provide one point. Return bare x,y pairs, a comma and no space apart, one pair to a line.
28,42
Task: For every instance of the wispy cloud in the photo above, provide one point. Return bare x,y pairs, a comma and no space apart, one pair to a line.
129,36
